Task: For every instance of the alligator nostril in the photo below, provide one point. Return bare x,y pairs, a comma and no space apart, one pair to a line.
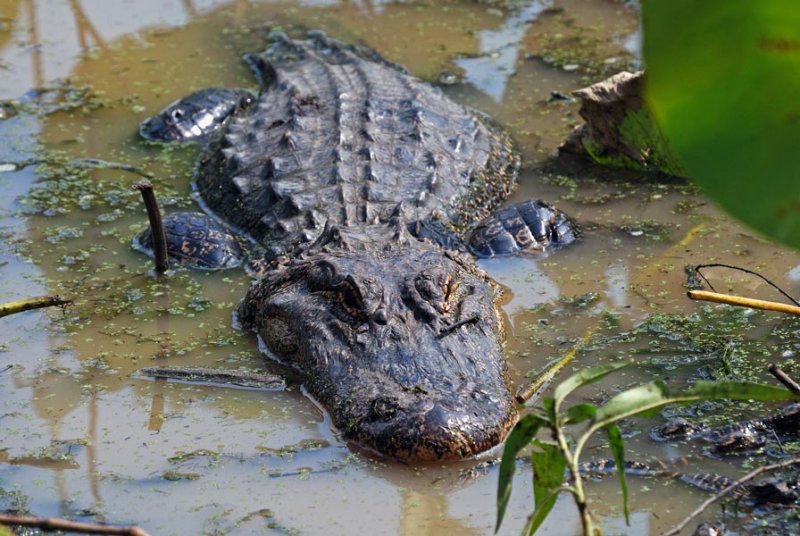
381,317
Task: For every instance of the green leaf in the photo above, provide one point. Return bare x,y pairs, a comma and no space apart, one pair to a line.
519,438
618,450
653,395
723,83
549,409
585,377
706,390
548,475
580,412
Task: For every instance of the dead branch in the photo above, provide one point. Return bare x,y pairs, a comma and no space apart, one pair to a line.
27,304
156,226
746,478
745,270
53,523
784,378
753,303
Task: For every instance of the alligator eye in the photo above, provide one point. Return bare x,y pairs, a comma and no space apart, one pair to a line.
351,299
450,289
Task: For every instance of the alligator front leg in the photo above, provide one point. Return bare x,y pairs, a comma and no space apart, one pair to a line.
526,226
197,117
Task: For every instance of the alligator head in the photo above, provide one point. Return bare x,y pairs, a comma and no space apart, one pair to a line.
398,339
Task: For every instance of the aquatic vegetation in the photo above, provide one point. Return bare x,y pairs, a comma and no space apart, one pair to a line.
552,458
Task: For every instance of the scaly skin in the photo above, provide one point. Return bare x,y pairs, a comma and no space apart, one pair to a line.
365,316
327,169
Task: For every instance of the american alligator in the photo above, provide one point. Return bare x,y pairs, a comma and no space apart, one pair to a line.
736,437
357,180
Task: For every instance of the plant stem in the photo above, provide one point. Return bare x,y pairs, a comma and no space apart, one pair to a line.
576,481
746,478
784,378
743,302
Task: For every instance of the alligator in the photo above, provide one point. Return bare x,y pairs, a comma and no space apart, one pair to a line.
355,185
736,437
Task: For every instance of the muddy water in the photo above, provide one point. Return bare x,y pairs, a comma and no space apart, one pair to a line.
82,436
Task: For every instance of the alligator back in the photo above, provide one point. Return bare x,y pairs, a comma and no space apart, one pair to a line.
340,135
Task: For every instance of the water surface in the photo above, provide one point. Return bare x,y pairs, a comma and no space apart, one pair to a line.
81,436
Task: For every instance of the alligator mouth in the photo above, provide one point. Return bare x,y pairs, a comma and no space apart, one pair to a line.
437,433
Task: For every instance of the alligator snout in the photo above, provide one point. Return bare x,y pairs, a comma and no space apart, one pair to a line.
434,430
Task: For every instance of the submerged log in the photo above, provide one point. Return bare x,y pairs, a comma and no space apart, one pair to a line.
237,377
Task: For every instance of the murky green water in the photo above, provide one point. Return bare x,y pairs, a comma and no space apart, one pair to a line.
81,436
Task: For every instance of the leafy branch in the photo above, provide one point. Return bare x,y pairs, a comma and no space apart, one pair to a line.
551,459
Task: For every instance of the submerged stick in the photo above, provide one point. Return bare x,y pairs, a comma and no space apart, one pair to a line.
239,377
784,378
746,478
753,303
53,523
27,304
156,226
91,163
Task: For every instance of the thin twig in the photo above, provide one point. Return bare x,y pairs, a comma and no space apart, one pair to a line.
104,164
452,327
156,226
6,368
746,478
27,304
538,384
753,303
53,523
784,378
745,270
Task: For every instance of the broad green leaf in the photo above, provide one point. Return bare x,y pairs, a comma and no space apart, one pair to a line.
519,438
618,449
723,83
584,377
548,475
579,413
653,395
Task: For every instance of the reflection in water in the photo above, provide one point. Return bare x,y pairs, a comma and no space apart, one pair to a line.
33,39
617,279
84,28
499,52
91,458
528,284
425,515
163,339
